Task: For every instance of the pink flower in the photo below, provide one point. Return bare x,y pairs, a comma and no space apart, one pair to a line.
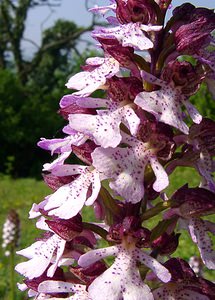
104,128
131,34
125,167
87,82
41,254
122,280
69,199
165,104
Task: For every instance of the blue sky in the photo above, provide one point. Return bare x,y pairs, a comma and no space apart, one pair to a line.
74,10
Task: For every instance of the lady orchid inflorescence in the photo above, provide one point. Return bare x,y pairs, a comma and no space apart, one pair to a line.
128,143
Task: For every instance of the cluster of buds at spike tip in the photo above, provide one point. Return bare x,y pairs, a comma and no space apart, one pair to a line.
11,232
128,143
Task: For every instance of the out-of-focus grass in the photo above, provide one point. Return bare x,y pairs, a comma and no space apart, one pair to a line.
20,194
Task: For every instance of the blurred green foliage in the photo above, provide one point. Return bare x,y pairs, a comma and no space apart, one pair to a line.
28,110
204,102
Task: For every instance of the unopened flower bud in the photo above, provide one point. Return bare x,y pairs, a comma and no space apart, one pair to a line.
135,11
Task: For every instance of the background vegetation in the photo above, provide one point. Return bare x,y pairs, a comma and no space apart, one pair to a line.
30,89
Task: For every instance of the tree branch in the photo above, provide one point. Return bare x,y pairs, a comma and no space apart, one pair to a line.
52,45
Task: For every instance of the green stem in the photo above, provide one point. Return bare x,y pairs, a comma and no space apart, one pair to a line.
109,202
12,278
97,229
150,213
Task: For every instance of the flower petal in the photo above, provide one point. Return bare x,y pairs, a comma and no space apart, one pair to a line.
164,104
105,127
198,231
126,172
162,179
40,254
57,162
130,34
177,291
161,272
93,256
89,81
193,112
121,281
69,199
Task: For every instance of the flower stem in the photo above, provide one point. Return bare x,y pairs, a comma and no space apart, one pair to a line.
150,213
12,279
97,229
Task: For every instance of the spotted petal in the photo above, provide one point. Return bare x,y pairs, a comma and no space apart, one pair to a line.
103,9
125,167
161,272
198,231
51,287
40,255
130,34
62,145
105,127
69,199
177,291
89,81
165,105
121,281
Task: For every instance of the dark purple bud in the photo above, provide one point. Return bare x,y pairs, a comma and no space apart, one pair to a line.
180,270
194,201
207,288
143,237
160,137
184,75
204,133
124,55
181,15
183,11
114,233
107,42
55,182
183,274
95,269
124,88
166,244
189,38
75,109
66,229
136,11
87,275
82,240
130,226
83,152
